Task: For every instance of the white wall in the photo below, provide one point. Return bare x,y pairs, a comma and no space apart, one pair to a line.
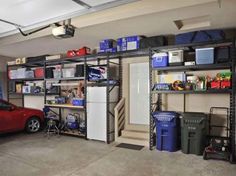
3,73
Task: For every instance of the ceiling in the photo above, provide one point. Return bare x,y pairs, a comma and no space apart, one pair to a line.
29,14
133,19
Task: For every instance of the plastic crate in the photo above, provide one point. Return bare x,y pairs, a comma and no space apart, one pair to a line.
167,130
193,133
78,102
68,72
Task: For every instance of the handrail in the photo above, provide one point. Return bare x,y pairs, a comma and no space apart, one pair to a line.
119,117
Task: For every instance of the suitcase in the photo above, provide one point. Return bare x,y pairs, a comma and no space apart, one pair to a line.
199,36
154,41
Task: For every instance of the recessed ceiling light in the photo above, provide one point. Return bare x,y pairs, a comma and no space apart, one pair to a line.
193,23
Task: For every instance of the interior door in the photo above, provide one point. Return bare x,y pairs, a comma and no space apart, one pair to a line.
139,93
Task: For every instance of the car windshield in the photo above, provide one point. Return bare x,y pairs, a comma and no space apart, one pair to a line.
4,105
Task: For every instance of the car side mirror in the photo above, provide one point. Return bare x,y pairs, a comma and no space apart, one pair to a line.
11,108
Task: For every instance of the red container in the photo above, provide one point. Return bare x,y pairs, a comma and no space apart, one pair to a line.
215,85
39,73
83,51
225,84
71,53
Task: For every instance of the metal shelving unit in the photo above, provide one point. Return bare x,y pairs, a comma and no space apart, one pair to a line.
156,96
20,96
61,107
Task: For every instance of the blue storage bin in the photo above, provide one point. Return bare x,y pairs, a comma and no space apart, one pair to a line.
133,42
107,44
121,44
128,43
159,60
78,102
205,56
167,130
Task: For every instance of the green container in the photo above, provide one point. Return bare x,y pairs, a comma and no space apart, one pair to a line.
193,133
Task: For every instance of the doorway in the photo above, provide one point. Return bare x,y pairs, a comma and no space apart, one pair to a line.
139,93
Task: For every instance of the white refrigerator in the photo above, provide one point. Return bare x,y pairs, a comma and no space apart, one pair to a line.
97,114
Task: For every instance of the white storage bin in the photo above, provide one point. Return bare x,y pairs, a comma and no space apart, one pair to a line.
68,72
21,73
57,73
13,74
29,74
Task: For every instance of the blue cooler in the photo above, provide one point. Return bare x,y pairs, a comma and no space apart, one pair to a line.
159,60
204,56
167,130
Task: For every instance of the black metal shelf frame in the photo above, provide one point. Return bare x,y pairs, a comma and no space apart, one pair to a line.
157,95
22,95
61,108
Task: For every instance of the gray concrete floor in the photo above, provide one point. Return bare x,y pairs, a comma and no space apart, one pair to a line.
34,155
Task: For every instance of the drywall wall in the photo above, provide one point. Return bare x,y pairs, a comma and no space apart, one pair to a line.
3,74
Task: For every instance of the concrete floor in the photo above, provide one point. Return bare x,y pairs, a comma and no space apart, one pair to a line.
34,155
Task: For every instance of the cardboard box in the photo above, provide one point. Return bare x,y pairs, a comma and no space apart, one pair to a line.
172,77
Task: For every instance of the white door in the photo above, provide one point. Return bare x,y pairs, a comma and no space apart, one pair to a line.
96,121
139,93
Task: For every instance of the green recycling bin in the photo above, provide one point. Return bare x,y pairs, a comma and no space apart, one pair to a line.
193,132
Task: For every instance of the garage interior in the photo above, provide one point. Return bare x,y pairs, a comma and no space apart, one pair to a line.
117,87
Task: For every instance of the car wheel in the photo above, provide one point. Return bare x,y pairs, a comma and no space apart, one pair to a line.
33,125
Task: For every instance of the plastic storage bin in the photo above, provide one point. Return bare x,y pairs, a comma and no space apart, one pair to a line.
56,73
193,132
68,72
78,102
205,56
168,130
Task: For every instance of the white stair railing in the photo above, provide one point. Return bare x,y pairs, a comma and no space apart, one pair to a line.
119,117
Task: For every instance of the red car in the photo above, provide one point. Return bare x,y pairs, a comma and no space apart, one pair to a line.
13,118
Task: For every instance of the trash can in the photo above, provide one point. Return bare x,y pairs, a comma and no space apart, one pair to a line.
167,130
193,133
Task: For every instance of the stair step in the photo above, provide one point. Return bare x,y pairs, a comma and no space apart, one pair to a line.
134,127
134,141
135,134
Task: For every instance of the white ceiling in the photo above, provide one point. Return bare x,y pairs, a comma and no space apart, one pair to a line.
34,13
150,24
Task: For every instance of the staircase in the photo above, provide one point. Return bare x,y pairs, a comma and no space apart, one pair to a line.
130,134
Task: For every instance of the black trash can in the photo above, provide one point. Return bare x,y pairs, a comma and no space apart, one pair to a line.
193,133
